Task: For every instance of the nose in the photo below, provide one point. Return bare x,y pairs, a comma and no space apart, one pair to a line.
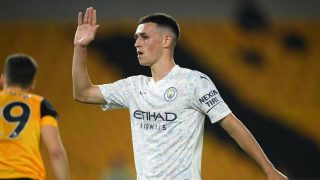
137,42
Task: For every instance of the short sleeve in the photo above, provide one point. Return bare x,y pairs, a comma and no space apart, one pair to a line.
116,94
49,115
207,99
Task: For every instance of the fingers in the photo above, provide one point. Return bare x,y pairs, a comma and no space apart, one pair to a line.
90,17
79,18
86,16
94,17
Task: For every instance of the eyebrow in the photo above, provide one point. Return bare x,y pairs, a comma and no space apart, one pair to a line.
139,34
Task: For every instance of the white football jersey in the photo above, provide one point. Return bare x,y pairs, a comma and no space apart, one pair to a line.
167,120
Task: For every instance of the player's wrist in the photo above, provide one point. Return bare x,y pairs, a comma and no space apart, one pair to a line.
80,46
269,169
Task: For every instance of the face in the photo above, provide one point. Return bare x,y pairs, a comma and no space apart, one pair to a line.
148,43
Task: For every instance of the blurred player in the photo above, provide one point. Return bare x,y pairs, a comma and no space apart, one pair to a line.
25,119
167,110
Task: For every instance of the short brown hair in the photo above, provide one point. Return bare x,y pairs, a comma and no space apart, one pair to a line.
20,70
163,20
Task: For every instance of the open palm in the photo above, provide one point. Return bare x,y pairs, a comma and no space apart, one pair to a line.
87,28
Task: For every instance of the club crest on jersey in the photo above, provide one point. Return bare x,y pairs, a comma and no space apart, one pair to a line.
170,94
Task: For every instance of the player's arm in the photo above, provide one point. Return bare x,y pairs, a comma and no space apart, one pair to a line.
247,142
83,89
56,151
52,140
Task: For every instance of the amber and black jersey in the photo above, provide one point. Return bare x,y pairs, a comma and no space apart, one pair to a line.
22,115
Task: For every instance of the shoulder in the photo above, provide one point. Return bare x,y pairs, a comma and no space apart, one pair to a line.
35,97
193,76
47,108
136,79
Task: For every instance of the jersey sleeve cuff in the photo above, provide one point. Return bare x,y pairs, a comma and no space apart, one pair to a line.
49,120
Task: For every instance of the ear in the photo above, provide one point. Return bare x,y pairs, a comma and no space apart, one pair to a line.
2,80
167,41
32,85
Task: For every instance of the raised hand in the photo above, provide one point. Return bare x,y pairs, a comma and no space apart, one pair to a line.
87,28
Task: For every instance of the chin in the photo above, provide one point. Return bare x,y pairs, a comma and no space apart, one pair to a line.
144,63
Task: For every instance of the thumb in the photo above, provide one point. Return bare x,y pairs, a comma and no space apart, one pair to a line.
96,28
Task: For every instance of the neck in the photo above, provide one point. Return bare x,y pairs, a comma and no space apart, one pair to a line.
15,88
161,69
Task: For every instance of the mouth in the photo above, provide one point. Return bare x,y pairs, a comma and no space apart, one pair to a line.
139,53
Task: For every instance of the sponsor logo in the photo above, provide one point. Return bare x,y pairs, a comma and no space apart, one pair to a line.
203,77
170,94
149,126
210,99
208,96
154,120
154,116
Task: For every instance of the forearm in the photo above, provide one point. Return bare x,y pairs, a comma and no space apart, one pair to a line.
80,77
248,143
60,165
